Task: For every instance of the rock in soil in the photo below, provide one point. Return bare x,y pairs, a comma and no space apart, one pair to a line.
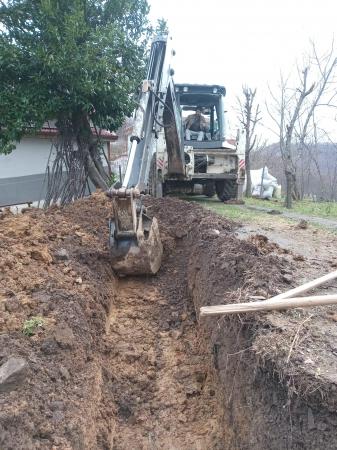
61,254
12,374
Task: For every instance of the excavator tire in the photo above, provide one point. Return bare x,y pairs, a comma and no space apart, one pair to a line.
209,190
226,190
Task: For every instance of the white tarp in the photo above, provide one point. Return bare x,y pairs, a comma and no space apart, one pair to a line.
269,183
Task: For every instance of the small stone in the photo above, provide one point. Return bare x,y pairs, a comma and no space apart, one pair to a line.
64,373
58,416
79,280
61,254
57,405
311,420
45,430
12,304
308,361
42,297
49,347
12,374
321,426
200,377
64,336
41,255
175,334
302,224
287,278
180,233
274,212
182,418
298,258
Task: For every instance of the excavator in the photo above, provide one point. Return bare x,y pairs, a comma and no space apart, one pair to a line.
166,159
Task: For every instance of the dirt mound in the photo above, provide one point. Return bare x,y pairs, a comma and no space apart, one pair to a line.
274,368
88,361
54,267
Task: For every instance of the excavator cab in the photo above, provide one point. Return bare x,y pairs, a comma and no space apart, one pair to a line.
210,100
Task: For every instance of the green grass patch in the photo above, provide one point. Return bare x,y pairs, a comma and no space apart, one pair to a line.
308,207
234,212
250,216
30,326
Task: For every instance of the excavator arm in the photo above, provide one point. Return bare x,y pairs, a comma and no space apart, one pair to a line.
135,245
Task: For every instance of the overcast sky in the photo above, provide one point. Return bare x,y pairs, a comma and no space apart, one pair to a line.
236,42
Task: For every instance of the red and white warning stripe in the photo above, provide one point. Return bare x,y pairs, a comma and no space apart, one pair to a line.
160,163
242,164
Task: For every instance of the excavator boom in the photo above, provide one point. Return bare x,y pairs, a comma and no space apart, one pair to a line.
135,245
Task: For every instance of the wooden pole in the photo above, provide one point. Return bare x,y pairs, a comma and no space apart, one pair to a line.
268,305
306,286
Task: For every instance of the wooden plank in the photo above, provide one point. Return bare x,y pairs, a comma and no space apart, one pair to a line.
306,286
269,305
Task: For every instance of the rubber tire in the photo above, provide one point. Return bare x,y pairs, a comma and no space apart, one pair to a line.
226,190
209,190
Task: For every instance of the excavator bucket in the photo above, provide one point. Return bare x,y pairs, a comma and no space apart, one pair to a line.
135,245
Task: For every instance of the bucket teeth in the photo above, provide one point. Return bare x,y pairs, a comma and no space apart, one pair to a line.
135,245
139,254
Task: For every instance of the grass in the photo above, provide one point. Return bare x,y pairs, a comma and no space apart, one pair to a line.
308,207
234,212
244,215
31,325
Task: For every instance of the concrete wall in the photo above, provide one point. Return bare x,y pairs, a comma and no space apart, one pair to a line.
22,172
29,158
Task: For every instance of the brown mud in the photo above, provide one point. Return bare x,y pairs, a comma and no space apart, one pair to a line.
125,363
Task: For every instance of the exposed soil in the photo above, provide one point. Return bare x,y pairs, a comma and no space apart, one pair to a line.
125,363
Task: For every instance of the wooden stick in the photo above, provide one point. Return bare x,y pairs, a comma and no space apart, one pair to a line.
306,286
268,305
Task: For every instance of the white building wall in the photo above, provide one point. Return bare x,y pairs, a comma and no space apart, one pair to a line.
29,158
23,172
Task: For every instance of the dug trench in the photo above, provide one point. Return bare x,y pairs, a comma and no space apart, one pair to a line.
127,363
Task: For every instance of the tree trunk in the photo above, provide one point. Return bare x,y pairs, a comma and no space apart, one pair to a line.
96,160
295,193
248,192
289,189
94,175
88,145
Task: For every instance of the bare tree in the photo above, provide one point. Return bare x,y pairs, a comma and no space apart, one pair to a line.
293,111
289,109
249,116
323,96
